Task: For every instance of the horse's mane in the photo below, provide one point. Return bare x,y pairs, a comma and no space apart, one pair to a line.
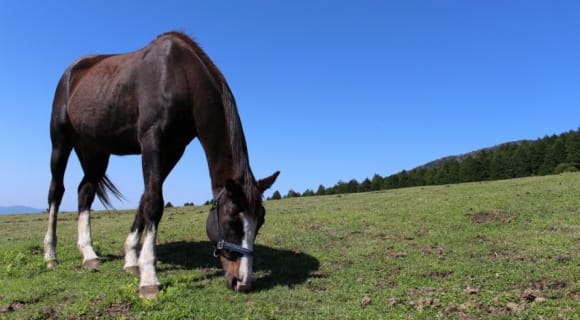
243,174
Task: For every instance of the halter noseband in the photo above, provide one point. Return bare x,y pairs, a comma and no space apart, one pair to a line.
222,243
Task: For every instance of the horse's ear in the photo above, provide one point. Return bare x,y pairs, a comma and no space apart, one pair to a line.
266,183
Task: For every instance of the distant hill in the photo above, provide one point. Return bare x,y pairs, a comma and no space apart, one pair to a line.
553,154
19,210
436,163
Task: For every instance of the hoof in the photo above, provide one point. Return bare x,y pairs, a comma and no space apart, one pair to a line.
92,264
51,264
133,269
149,292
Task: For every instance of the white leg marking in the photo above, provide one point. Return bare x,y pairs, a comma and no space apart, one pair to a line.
50,237
246,263
85,242
147,260
131,245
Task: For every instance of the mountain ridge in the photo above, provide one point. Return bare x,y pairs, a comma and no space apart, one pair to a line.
19,209
461,157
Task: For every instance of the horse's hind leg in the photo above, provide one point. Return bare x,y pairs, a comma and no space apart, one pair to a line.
58,161
132,244
94,167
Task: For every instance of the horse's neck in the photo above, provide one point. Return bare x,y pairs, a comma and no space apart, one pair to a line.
226,160
226,149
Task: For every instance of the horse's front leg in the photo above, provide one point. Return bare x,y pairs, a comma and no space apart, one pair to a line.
152,205
149,283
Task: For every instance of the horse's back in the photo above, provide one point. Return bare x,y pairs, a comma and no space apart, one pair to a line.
110,100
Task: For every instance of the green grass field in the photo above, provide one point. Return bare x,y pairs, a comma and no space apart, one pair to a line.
504,249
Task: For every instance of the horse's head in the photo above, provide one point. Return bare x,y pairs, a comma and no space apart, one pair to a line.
232,226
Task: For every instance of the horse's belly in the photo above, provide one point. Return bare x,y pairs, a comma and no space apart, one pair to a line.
107,127
119,142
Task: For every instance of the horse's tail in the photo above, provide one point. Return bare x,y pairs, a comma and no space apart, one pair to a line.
104,186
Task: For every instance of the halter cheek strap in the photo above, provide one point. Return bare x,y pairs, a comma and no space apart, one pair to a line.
222,244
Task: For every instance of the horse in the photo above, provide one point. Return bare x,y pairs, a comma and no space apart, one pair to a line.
153,102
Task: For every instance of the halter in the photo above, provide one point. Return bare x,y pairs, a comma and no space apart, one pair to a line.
222,243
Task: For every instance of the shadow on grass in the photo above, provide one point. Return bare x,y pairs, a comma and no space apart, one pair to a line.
279,267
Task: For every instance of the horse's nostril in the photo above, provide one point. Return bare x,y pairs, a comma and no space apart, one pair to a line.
234,284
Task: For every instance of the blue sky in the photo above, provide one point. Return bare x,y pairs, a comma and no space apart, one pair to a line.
326,90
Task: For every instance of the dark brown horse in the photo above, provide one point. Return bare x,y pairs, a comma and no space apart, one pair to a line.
154,101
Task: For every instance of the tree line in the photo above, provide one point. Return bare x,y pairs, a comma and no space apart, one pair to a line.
549,155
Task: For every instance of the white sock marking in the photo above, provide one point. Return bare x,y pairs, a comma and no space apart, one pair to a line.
147,260
85,242
131,245
50,237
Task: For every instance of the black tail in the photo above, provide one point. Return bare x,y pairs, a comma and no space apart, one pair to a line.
107,185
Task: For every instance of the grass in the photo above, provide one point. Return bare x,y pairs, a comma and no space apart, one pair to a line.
504,249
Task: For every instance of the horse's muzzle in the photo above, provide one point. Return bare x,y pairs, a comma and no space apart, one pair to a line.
237,284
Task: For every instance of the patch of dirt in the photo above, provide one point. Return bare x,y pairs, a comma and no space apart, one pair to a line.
49,313
506,304
423,298
438,252
531,295
459,309
526,298
383,236
311,227
564,257
395,254
471,289
12,307
421,232
437,274
401,254
428,302
316,274
481,238
366,300
546,284
489,216
116,310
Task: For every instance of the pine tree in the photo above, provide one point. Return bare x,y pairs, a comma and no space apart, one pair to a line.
573,148
352,186
292,194
276,195
376,182
554,152
365,186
